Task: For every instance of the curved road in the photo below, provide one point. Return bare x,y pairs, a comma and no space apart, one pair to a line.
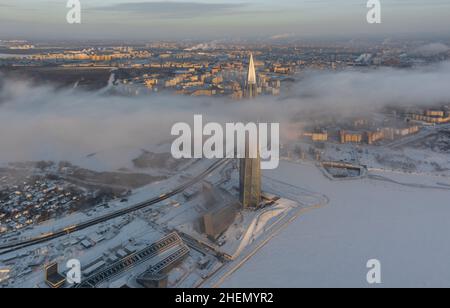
4,249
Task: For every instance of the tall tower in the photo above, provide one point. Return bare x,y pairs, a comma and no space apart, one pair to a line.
251,86
250,179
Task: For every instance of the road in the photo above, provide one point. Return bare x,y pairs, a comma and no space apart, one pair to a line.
413,185
424,133
4,249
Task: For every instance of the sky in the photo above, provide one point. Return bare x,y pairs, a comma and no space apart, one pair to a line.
221,19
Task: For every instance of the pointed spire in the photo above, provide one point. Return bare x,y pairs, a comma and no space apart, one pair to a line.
251,78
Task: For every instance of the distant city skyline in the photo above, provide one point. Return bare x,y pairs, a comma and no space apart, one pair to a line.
216,19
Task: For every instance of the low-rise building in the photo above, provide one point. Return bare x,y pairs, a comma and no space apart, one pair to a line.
316,136
374,136
431,117
350,137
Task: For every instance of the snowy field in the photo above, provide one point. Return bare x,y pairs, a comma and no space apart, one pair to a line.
406,228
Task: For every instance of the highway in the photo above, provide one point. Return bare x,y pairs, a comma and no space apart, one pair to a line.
7,248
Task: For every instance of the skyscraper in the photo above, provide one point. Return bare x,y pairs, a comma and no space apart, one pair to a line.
251,86
250,179
250,168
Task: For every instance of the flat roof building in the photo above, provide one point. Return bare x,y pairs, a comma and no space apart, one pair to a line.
52,277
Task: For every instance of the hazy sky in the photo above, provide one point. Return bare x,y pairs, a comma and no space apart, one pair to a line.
208,19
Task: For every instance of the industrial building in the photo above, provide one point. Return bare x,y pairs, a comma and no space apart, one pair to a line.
168,251
221,209
153,281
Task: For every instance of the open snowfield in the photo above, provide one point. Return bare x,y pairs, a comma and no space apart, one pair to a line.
406,228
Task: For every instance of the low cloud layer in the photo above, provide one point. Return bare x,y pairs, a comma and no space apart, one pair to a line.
431,49
40,122
372,89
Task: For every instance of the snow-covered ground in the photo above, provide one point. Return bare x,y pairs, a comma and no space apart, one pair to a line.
117,158
397,217
406,228
139,195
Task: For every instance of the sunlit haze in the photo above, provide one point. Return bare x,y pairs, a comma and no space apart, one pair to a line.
217,19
